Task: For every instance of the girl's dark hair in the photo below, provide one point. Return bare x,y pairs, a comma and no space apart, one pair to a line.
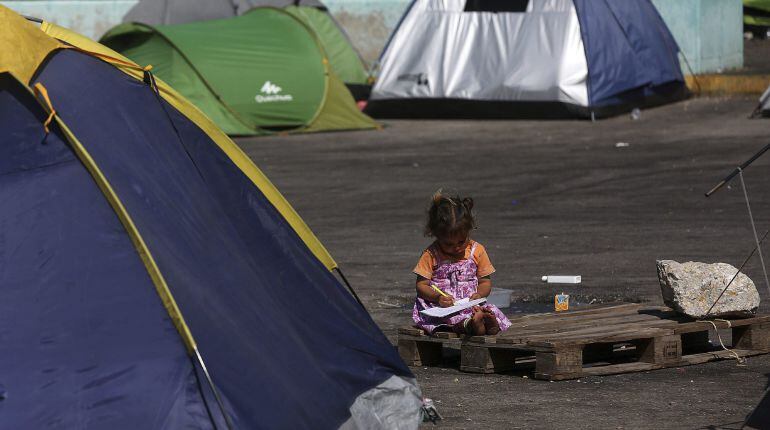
448,215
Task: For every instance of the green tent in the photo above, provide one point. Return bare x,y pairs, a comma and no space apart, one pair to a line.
344,59
263,70
756,13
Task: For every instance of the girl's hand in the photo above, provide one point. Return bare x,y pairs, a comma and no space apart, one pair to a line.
475,296
445,301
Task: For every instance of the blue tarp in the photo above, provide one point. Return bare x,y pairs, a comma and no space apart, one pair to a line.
286,345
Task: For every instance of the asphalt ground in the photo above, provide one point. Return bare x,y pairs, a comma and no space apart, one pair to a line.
552,197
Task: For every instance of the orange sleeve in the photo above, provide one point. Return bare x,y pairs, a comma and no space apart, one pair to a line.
485,267
424,267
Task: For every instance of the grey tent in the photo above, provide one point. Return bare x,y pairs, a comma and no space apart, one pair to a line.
344,60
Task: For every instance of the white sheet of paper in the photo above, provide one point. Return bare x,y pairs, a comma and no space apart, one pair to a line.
458,306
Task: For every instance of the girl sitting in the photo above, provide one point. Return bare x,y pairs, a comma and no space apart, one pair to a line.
459,268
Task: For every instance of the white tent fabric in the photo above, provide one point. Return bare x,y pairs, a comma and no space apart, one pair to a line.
439,51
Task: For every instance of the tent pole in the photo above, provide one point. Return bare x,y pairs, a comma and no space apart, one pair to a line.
754,228
213,388
350,288
200,389
737,170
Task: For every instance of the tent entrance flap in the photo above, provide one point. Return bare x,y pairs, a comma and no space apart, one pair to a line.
496,5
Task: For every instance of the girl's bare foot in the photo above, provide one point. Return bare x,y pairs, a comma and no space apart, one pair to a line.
476,325
491,327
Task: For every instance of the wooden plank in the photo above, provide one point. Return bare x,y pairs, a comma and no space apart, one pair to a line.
565,363
562,317
601,337
754,336
599,334
445,335
663,350
617,327
431,339
606,319
479,359
613,369
698,325
705,357
594,310
616,323
415,353
516,335
481,339
411,331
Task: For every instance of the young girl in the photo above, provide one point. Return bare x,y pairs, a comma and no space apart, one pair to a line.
457,266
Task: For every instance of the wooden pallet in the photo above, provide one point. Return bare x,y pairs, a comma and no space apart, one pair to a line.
598,341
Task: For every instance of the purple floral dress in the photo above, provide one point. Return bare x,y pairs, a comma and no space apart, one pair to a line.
459,280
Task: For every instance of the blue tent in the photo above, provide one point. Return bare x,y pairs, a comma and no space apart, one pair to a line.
526,59
151,278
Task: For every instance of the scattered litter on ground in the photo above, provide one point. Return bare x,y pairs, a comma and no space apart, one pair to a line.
622,145
390,305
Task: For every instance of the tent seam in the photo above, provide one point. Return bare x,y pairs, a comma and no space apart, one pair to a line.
141,247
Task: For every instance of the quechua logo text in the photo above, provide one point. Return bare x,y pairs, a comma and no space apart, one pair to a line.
271,92
418,78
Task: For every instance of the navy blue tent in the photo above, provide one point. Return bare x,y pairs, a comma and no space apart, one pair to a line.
526,59
150,278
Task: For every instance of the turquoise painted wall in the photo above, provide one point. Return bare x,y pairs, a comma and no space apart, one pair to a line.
709,32
368,22
91,18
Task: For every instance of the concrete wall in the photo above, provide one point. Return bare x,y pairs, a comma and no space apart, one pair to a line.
709,32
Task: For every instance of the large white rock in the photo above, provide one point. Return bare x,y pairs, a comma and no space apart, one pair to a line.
691,288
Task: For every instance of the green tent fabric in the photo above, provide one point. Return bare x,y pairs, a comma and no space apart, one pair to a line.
344,59
264,70
756,12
